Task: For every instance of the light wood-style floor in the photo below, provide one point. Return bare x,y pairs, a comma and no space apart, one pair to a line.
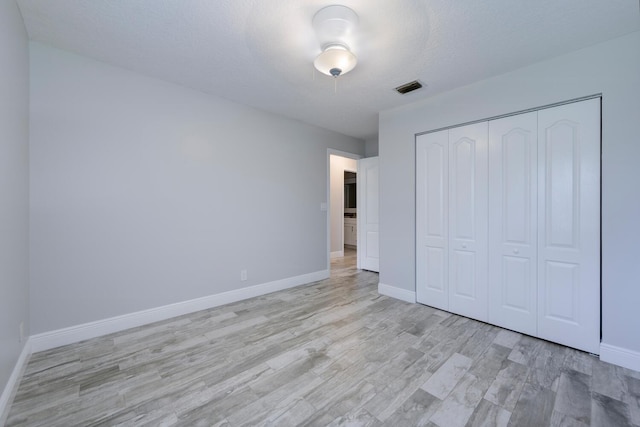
331,353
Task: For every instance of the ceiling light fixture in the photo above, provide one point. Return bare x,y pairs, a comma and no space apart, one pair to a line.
335,59
334,27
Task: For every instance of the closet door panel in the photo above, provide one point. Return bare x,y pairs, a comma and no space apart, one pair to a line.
432,276
569,225
512,222
468,220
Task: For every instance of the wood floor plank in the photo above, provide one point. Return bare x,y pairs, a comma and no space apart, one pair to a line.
361,419
507,338
526,350
456,410
574,396
396,392
273,402
488,364
416,410
579,361
506,387
446,378
534,407
609,380
562,420
606,411
486,414
547,366
633,399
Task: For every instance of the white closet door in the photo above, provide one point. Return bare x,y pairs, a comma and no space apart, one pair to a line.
513,222
569,225
468,220
432,154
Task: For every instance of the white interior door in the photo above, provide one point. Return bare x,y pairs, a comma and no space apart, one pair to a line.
432,224
569,225
368,221
468,220
513,223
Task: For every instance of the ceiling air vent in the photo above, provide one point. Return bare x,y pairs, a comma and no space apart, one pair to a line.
409,87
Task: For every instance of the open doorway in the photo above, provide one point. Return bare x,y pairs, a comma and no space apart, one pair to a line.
350,221
342,216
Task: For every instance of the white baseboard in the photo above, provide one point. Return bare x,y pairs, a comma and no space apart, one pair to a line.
620,356
397,293
14,381
337,254
73,334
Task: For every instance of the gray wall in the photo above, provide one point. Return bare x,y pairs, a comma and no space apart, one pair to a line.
144,193
14,185
371,147
611,68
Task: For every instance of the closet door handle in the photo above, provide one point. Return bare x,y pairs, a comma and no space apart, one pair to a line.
516,251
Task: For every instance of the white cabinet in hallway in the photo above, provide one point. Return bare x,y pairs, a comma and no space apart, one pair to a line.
509,231
350,231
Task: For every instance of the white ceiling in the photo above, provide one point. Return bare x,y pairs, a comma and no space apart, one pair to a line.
260,52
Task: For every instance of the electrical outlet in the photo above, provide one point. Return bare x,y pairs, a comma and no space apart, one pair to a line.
243,275
21,331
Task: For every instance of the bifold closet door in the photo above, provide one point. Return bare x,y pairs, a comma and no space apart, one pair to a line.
451,220
432,223
468,220
513,222
569,225
516,242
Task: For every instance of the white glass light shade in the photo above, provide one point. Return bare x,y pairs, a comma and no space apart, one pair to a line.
335,60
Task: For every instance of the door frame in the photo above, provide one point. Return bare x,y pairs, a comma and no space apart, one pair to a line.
330,152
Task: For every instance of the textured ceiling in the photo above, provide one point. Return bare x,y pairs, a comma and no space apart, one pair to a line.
260,52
